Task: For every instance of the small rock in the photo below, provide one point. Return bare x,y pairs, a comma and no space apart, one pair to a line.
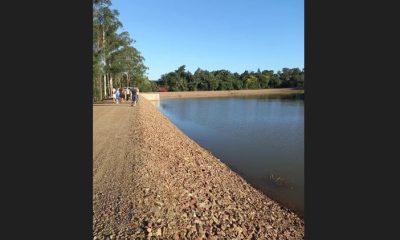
215,220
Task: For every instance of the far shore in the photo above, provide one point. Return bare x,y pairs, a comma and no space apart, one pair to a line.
199,94
205,94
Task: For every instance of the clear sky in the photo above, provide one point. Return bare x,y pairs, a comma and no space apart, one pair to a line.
235,35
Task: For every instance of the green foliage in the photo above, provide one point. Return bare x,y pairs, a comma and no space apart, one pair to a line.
114,57
201,80
225,79
147,86
179,80
251,82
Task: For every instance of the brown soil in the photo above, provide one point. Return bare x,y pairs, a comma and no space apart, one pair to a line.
196,94
152,181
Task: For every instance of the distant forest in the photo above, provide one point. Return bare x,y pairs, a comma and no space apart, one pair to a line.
203,80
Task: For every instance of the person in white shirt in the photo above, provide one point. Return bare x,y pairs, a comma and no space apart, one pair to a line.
128,93
114,95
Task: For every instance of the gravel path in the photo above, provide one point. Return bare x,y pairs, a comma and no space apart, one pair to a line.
150,181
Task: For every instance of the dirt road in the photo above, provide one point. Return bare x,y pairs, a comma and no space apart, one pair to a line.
151,181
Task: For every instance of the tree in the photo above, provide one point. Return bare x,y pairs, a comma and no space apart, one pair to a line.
251,82
171,80
113,56
181,78
200,79
274,81
211,81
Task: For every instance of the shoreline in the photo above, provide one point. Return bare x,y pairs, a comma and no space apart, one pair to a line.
228,93
208,94
260,199
177,189
243,93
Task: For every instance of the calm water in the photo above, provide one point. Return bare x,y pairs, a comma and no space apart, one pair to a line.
261,138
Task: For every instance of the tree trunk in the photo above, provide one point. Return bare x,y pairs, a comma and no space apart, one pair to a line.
98,82
111,84
108,84
105,86
126,95
104,58
100,88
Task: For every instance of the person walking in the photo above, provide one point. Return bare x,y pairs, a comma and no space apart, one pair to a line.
114,95
135,95
128,93
118,95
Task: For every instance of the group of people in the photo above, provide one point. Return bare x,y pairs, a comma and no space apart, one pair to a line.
134,93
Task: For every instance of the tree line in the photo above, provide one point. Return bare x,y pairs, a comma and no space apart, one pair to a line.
116,63
203,80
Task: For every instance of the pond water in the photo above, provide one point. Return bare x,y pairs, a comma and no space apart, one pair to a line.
261,138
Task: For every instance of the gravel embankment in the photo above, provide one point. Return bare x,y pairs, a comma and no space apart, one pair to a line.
152,181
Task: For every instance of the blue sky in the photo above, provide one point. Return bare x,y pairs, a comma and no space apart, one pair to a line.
235,35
